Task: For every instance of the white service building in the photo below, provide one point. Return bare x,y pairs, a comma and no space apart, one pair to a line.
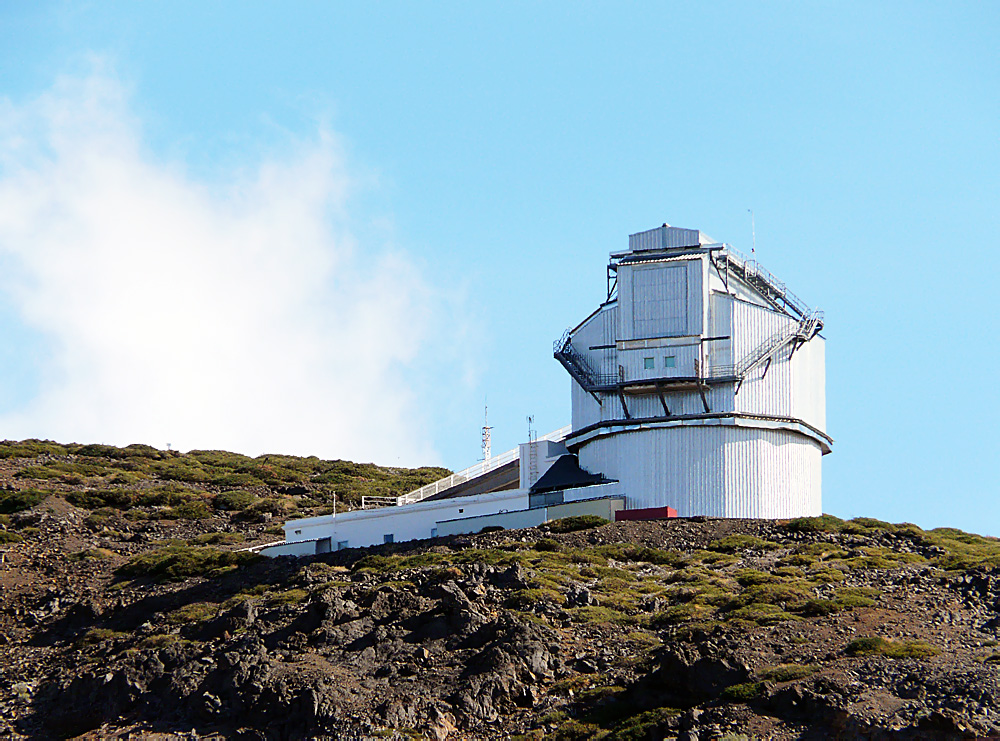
697,384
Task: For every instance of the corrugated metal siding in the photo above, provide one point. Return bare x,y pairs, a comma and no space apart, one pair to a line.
633,361
720,324
659,300
720,471
661,238
809,383
760,393
649,289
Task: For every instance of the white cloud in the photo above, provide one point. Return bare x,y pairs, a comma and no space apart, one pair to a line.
242,317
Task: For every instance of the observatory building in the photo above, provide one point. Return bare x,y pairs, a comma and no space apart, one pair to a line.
699,382
697,389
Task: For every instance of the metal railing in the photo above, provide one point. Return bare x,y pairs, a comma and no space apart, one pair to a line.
758,276
805,329
460,477
375,502
578,367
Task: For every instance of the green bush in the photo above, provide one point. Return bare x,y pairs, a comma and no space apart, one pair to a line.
169,494
96,499
177,562
15,501
195,612
31,448
877,646
288,597
547,544
526,599
189,511
744,692
821,524
8,537
786,672
578,522
235,500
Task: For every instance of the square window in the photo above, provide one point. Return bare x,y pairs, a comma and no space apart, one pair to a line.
387,538
648,363
670,361
341,545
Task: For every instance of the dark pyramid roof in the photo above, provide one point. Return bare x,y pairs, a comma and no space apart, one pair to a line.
565,473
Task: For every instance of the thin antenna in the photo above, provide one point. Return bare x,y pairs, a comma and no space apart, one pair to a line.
753,232
487,453
532,435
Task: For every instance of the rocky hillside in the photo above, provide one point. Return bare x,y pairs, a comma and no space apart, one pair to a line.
127,608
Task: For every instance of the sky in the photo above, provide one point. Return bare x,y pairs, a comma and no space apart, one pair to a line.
339,229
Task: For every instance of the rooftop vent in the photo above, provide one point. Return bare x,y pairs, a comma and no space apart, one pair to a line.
664,237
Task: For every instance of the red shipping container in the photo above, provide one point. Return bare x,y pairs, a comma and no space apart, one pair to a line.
649,513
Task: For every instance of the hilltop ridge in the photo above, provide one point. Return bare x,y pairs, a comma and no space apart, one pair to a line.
129,608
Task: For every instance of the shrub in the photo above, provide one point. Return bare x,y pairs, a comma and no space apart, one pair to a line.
236,500
752,577
526,599
761,614
95,499
821,524
642,726
171,494
158,641
789,595
98,635
92,554
741,692
194,612
15,501
578,522
288,597
177,562
786,672
547,544
877,646
591,614
189,511
377,563
9,537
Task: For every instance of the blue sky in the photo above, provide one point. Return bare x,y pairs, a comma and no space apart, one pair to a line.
335,228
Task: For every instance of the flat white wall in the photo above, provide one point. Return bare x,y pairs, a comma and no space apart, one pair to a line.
409,522
302,548
506,520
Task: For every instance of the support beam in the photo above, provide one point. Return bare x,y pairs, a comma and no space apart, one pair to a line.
624,405
767,366
704,401
663,400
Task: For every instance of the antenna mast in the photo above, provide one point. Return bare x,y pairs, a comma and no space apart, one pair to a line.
753,232
487,454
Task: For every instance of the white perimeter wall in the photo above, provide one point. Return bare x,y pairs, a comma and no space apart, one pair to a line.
409,522
716,470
